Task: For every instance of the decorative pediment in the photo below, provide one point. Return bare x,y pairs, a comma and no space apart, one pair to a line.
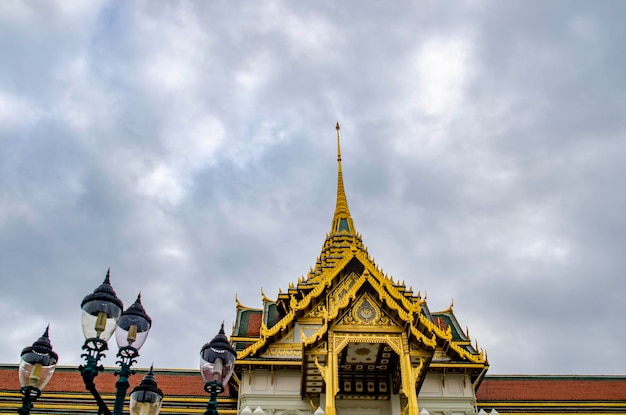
366,312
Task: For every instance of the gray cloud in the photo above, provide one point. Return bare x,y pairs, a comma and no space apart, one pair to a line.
191,148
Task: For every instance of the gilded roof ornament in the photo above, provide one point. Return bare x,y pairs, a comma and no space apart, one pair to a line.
342,221
265,298
241,306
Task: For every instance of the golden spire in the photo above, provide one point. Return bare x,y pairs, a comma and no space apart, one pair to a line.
342,221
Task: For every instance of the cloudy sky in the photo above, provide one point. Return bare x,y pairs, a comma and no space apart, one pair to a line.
191,148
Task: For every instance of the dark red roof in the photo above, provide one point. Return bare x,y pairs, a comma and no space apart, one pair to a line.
552,388
171,382
254,324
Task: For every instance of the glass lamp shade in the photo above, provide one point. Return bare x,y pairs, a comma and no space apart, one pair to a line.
217,359
101,310
37,363
146,398
133,326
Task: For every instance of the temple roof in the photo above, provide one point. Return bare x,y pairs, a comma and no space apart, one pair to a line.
552,394
343,271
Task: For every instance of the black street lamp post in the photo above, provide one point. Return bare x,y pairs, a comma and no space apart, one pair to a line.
103,316
217,362
146,398
37,365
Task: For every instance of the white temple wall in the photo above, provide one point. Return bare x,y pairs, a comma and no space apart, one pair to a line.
363,407
449,395
278,393
273,391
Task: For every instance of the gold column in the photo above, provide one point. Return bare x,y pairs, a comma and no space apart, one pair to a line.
408,379
331,376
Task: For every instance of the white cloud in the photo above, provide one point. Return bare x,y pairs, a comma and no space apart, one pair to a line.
192,141
51,15
437,76
253,144
162,184
16,110
174,50
166,71
443,67
308,33
12,210
255,70
81,99
190,145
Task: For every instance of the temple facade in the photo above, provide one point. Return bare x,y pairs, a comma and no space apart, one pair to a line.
348,339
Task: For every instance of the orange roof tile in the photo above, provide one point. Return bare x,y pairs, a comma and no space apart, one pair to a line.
552,388
254,324
66,379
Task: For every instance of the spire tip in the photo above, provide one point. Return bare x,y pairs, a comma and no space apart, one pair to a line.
342,222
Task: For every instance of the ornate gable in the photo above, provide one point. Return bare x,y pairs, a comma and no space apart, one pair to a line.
366,312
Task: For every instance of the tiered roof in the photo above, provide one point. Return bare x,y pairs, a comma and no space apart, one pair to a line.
343,271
